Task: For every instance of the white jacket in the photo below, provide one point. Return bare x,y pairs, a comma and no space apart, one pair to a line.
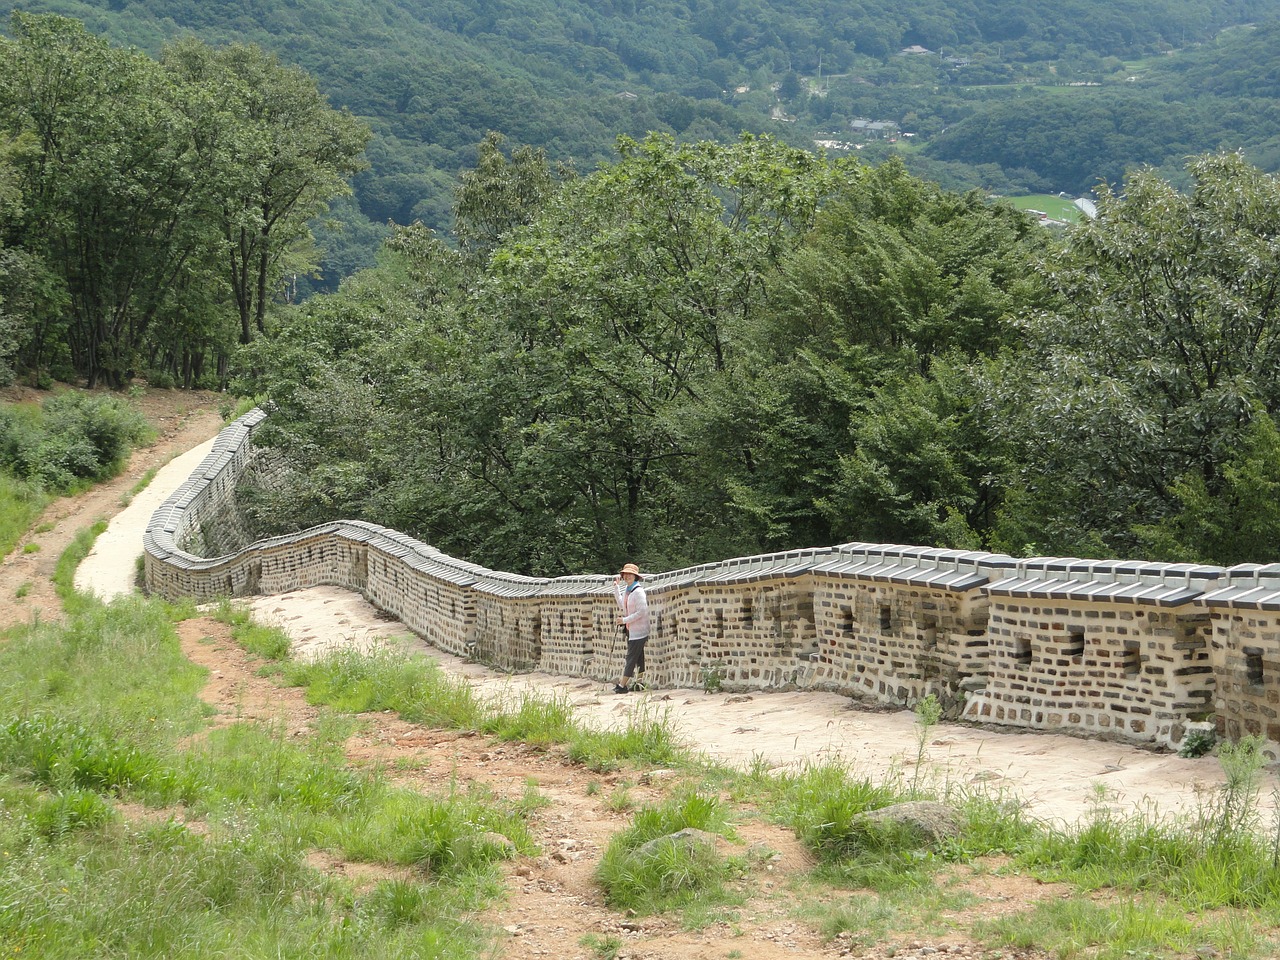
635,609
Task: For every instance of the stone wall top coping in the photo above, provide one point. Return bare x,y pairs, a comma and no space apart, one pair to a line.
1161,594
1246,596
907,574
1124,571
927,556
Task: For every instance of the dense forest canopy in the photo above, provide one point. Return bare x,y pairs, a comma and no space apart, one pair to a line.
152,209
710,350
988,106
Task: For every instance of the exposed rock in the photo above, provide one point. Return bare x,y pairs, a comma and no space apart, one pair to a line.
933,822
689,836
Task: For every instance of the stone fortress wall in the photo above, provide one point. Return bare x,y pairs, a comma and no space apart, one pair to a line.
1126,649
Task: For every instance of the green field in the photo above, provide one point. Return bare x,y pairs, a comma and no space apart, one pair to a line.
1058,208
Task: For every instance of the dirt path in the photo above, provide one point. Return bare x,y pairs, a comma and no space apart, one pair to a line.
553,907
182,420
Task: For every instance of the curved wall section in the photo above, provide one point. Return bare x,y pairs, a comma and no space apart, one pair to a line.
1124,649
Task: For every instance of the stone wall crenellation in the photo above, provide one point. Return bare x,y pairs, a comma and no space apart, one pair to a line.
1123,649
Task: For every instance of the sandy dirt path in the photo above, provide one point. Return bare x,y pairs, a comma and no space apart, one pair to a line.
182,420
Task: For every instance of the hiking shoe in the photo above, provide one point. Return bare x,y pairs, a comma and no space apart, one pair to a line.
639,686
619,688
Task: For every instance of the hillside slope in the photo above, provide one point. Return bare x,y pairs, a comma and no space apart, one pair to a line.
570,75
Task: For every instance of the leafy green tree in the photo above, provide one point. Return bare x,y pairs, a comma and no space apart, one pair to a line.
500,194
921,468
280,153
697,351
109,189
368,392
11,327
1164,341
857,406
1238,524
622,304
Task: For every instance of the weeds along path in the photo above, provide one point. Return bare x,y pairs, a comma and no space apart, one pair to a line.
181,419
552,907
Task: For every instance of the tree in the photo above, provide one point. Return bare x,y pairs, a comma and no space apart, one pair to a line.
1238,524
11,328
622,305
857,404
109,188
280,152
1164,341
500,194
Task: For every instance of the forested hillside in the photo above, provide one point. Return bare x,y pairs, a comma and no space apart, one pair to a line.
1222,94
707,351
568,76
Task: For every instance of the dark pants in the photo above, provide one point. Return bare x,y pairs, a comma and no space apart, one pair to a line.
635,657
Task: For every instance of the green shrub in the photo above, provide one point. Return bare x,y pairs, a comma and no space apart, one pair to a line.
75,437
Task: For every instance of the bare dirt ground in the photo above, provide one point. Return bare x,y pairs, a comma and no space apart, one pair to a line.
553,906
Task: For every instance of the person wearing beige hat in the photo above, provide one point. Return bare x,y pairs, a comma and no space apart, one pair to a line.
633,615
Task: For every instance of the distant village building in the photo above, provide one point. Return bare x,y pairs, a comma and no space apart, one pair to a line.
913,50
627,95
874,128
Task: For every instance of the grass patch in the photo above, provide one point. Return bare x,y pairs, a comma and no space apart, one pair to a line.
143,482
1146,928
20,503
532,719
647,737
64,574
417,689
262,641
388,679
651,867
102,709
1057,208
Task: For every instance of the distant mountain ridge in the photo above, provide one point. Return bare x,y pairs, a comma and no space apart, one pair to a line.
433,78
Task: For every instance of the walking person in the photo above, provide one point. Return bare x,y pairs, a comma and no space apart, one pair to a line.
633,615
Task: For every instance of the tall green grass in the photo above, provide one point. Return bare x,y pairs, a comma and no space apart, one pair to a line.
647,870
1185,884
416,688
388,679
104,709
21,503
